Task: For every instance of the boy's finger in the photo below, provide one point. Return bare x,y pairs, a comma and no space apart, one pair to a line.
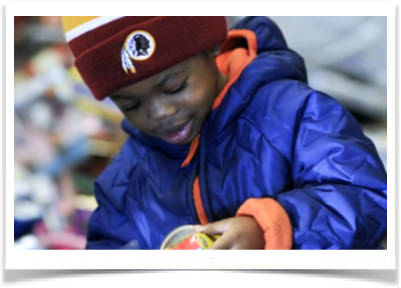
214,228
223,242
208,229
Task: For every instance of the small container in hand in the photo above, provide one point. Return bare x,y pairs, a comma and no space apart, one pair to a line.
186,238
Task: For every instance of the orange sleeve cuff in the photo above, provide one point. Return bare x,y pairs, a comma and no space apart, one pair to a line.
273,220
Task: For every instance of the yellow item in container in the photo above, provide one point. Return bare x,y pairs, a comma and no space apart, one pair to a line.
185,238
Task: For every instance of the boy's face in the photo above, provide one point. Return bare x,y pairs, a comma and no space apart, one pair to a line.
173,104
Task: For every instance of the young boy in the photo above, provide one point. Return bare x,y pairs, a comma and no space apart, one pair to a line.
237,141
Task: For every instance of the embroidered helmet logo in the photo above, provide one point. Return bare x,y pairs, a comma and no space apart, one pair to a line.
138,46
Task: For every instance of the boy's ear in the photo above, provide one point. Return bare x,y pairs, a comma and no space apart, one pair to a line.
215,50
212,52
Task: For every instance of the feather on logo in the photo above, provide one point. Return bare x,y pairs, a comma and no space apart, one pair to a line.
138,46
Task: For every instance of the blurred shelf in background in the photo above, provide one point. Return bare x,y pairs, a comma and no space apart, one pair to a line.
63,139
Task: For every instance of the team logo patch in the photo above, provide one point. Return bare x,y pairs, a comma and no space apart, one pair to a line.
138,46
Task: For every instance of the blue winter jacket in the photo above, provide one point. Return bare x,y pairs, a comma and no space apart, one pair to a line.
272,136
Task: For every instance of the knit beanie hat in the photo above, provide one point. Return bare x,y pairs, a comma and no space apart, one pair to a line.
114,52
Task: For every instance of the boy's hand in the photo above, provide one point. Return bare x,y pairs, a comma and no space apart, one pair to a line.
236,233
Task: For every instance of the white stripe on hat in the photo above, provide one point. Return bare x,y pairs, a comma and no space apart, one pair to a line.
90,25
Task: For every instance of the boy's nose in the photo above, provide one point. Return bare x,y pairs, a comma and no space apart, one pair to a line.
160,110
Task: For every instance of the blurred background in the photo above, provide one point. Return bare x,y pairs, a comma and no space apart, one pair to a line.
63,138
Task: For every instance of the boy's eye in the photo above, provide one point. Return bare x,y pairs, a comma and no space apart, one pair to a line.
176,89
130,106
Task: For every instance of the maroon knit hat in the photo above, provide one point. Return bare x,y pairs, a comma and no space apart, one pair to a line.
114,52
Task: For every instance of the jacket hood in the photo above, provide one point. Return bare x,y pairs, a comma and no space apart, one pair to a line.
271,44
274,61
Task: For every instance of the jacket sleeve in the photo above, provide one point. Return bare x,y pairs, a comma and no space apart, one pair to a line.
108,226
273,220
338,199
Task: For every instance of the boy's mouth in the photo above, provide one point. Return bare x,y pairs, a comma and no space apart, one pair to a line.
178,134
